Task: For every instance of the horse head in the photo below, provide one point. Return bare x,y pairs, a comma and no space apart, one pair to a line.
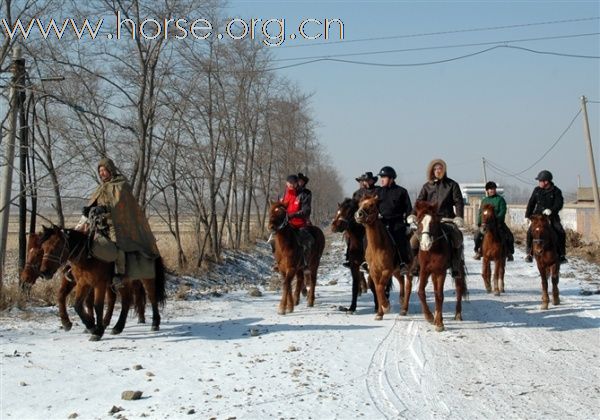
428,224
278,217
54,244
31,271
488,218
541,233
343,216
368,211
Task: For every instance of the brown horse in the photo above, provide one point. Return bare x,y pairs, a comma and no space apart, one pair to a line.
545,251
288,254
435,256
62,245
493,249
31,272
382,258
354,233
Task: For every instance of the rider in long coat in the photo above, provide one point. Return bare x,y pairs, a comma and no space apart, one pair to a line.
445,193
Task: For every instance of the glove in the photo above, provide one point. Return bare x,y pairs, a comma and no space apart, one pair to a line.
412,227
411,219
86,211
459,222
547,212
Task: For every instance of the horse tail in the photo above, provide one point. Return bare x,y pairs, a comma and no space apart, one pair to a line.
159,281
463,282
139,296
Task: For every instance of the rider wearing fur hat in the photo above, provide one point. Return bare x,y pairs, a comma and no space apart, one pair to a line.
446,195
367,185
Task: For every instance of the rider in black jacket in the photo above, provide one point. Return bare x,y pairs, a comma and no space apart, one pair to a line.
547,199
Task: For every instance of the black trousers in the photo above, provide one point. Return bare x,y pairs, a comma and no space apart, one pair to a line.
507,235
397,231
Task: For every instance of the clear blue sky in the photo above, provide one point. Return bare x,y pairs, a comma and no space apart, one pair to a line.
506,105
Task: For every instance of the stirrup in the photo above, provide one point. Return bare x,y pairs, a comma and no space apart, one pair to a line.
118,282
346,264
477,256
364,267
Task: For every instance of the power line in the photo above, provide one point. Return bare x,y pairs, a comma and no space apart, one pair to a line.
441,47
423,34
427,63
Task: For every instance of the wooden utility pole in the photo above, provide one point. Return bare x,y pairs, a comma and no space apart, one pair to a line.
484,171
586,129
16,85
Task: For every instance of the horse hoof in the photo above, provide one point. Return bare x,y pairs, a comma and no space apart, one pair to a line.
95,338
428,319
458,317
544,305
488,290
556,301
439,328
310,304
378,317
403,312
497,293
155,328
281,312
67,326
386,309
116,331
141,321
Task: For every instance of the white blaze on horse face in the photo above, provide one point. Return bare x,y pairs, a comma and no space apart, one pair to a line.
425,240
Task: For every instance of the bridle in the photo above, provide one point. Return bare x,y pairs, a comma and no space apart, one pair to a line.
65,249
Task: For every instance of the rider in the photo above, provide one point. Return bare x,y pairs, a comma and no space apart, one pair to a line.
500,211
446,195
127,229
298,216
367,185
394,206
547,199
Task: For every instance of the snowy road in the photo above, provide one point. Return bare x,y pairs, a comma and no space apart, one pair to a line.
234,357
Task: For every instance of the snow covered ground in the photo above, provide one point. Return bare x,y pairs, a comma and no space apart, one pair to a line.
232,356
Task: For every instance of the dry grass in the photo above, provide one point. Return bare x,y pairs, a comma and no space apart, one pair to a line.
589,252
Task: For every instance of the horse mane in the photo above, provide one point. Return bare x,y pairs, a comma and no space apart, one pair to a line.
425,207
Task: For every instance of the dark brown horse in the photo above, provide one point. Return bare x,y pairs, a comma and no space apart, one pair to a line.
492,249
288,254
62,245
435,256
354,233
382,258
545,252
31,272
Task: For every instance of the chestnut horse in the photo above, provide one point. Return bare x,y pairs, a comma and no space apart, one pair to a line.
354,233
545,252
62,245
288,254
492,249
435,257
31,272
382,258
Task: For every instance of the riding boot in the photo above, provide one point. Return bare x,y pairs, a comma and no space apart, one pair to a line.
416,268
120,262
68,274
346,262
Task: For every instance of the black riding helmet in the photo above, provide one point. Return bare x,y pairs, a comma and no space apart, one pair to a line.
544,176
387,171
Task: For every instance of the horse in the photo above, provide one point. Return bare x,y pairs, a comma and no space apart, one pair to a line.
493,249
435,257
545,252
354,233
31,272
61,245
382,257
288,254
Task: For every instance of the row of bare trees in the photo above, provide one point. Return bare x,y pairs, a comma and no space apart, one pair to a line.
203,129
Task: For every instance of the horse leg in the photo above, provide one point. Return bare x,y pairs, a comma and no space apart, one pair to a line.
486,273
461,289
423,275
383,302
407,291
374,292
125,293
139,300
496,277
356,286
110,297
501,271
99,293
438,286
66,287
298,289
151,294
312,283
401,293
555,297
545,299
286,284
363,282
80,294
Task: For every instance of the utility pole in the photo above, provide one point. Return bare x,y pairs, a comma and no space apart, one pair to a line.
23,155
586,129
18,67
484,171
